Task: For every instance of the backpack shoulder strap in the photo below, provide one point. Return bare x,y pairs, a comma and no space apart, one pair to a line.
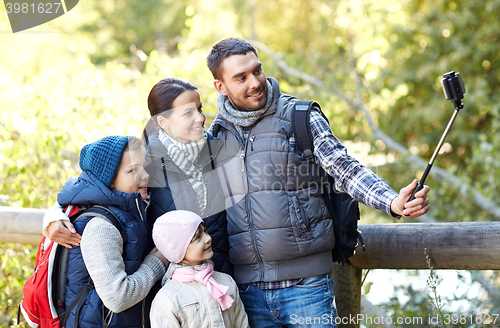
341,207
301,126
98,210
95,210
304,142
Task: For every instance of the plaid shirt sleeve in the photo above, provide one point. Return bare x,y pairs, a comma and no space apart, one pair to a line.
350,176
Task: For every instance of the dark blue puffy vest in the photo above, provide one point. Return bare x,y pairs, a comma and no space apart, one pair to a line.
128,209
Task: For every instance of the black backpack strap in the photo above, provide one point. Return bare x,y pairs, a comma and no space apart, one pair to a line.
95,210
304,142
215,130
78,303
100,211
105,212
301,126
81,299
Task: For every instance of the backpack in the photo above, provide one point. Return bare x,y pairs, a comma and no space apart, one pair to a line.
343,209
44,292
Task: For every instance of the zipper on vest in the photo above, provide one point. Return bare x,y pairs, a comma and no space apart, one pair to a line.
164,170
250,216
242,156
138,207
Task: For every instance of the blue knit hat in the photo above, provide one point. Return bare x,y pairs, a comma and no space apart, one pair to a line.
103,157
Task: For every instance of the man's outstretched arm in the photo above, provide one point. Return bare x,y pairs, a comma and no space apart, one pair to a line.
357,180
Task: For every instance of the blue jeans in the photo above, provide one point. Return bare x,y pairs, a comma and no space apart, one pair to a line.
306,304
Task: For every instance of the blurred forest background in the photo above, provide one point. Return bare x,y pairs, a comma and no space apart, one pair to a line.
374,66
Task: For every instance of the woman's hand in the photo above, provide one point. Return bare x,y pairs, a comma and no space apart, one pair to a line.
158,254
63,233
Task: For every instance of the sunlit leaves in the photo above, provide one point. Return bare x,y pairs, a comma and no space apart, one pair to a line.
16,266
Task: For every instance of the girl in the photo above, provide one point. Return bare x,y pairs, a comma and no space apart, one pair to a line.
193,294
121,270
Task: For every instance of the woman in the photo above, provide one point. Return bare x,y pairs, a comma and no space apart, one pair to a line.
180,161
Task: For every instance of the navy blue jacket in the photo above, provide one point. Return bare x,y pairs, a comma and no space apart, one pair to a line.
129,210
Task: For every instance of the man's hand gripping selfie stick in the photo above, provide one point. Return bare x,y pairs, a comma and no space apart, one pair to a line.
454,89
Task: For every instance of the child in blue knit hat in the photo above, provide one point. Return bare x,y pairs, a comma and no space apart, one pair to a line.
121,269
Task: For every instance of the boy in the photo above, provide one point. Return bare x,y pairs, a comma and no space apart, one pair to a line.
120,269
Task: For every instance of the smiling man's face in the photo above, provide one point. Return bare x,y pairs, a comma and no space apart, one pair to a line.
243,81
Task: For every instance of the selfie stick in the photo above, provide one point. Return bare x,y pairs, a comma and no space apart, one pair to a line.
454,90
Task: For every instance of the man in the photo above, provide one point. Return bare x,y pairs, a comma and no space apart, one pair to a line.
280,232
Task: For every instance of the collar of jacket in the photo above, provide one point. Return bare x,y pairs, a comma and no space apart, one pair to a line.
87,189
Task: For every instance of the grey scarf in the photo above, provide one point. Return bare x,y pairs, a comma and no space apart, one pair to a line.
241,118
187,158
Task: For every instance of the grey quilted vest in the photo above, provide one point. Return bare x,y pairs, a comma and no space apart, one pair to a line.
278,225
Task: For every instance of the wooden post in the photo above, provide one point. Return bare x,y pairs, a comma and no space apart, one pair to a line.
21,225
347,288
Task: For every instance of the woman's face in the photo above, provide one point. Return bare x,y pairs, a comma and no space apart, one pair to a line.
186,119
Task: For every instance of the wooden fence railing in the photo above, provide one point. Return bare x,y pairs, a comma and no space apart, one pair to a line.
454,245
20,225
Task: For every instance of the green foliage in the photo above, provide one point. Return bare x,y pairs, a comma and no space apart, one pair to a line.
437,37
16,266
52,110
120,26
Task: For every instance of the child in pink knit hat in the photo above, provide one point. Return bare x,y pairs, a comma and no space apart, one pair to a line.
193,294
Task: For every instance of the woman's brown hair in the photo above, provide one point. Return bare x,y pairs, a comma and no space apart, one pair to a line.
160,100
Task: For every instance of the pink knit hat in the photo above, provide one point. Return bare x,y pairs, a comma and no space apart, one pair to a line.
173,232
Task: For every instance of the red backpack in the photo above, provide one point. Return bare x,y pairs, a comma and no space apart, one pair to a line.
43,303
37,306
